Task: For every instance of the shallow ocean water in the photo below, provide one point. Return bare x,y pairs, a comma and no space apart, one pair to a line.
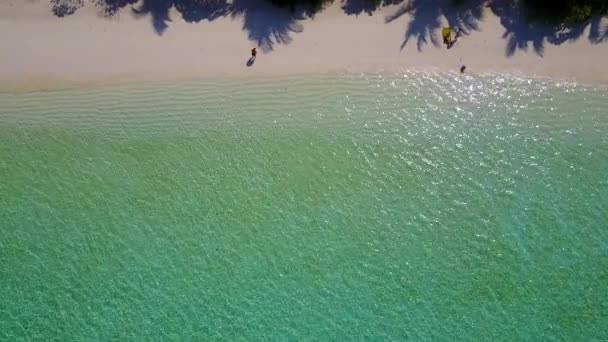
408,206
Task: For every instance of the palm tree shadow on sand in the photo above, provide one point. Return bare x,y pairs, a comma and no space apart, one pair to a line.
62,8
597,33
428,16
357,7
520,33
268,26
265,24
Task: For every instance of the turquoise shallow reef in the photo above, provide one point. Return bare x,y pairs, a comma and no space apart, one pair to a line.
409,206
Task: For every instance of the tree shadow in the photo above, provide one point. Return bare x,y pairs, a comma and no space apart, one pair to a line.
194,11
598,34
423,25
426,19
158,11
110,7
266,25
428,16
521,33
463,17
356,7
62,8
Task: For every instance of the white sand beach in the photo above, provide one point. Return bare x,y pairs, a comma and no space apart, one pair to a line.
46,46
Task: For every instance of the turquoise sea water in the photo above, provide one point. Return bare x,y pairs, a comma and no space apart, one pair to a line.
411,206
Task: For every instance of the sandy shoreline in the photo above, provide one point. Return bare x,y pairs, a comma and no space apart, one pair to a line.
43,51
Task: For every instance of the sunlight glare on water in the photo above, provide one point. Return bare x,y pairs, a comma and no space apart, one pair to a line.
391,206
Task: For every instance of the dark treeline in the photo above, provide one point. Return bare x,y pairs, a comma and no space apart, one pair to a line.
564,12
312,5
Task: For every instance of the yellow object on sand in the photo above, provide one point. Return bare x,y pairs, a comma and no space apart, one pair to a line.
445,32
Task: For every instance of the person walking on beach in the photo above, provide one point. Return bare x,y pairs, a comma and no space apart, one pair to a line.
251,59
446,32
447,36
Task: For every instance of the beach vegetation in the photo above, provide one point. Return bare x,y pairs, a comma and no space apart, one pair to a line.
564,12
310,6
